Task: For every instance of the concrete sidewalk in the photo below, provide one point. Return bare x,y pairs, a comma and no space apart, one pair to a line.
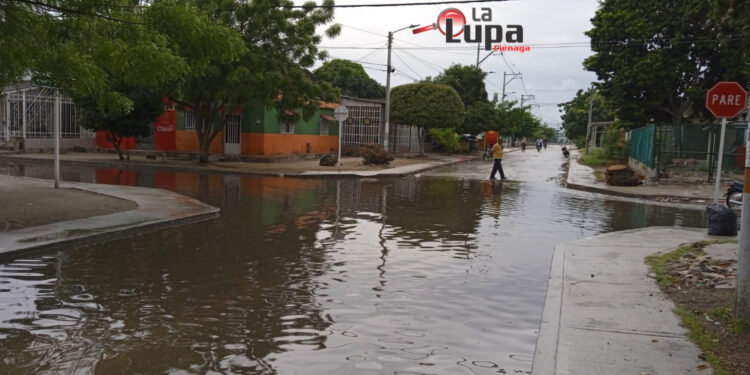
352,166
582,177
144,209
604,315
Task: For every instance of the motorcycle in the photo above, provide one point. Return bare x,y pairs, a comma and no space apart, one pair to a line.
734,195
565,152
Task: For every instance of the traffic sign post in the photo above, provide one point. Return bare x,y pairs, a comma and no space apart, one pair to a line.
724,100
727,100
341,113
742,300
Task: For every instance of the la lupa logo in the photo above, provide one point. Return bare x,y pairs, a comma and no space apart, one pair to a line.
452,23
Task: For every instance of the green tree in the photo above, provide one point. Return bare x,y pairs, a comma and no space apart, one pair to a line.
576,111
657,59
78,46
481,116
467,80
426,105
350,78
147,106
243,52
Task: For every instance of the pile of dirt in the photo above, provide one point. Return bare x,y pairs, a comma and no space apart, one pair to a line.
703,288
621,175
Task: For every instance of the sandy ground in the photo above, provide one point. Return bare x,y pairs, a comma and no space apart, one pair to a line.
27,203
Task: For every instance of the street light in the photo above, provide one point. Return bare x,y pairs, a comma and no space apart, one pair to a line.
388,85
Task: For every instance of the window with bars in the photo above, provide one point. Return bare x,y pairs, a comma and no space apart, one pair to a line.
287,128
189,120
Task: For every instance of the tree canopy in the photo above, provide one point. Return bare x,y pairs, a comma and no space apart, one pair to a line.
147,106
467,80
351,78
426,105
257,51
576,111
657,59
78,46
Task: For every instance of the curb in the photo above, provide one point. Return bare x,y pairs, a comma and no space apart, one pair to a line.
594,189
138,165
564,343
157,209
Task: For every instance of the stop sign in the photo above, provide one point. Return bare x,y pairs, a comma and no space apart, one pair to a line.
726,99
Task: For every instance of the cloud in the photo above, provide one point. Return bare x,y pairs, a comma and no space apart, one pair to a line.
549,70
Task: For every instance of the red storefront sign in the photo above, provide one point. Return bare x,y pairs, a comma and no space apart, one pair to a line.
165,131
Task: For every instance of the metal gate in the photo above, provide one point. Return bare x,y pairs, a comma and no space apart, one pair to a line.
232,135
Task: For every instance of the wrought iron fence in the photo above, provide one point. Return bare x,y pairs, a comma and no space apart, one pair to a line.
30,113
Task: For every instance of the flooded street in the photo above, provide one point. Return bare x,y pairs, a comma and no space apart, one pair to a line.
440,273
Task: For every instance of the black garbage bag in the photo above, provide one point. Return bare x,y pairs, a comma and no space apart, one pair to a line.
722,221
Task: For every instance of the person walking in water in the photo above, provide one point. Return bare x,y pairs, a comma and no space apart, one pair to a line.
497,153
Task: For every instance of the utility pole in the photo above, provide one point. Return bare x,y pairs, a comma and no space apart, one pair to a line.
388,93
389,69
742,291
526,97
514,75
57,138
588,127
478,55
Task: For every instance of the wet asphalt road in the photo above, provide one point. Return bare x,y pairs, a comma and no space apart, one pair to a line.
441,273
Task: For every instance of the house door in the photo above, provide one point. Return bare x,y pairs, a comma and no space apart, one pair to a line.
232,135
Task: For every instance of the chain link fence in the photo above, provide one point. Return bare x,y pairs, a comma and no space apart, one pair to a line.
690,152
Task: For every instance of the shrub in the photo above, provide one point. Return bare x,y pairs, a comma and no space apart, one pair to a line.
595,157
446,139
580,142
614,147
374,154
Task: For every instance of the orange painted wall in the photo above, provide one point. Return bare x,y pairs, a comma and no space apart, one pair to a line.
281,144
187,140
127,143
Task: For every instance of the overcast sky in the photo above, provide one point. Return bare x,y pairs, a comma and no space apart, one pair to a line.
551,74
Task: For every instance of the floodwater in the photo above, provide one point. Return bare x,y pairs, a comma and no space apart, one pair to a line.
441,273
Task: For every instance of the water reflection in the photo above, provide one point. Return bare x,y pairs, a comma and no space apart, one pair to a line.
439,275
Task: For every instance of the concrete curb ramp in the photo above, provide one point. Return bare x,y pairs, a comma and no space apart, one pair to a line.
157,209
581,177
604,315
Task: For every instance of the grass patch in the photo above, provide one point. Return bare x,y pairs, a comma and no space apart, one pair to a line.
705,339
706,313
596,157
725,314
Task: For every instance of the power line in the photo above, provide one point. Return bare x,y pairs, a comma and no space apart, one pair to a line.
407,66
712,39
405,75
439,68
373,5
371,54
357,61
